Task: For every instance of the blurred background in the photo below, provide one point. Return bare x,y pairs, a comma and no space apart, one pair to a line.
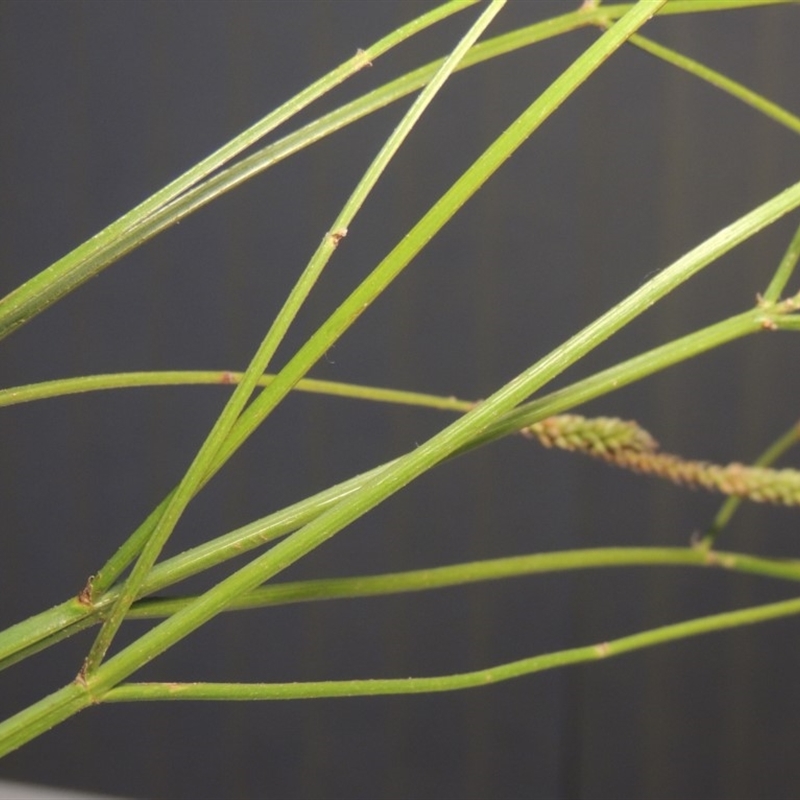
105,102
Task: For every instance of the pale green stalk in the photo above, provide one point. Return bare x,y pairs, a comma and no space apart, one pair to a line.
446,683
726,84
748,96
200,466
126,380
784,272
479,571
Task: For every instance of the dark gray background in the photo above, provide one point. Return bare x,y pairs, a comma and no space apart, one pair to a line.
104,102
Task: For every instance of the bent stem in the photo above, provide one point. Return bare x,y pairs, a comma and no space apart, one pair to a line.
464,680
720,81
480,571
127,380
784,272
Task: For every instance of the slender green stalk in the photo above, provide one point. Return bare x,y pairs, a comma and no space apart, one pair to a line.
748,96
784,272
112,243
126,380
81,622
781,445
446,683
635,369
480,571
200,466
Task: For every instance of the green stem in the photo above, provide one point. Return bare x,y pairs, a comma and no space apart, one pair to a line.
446,683
124,380
784,272
748,96
635,369
70,618
479,571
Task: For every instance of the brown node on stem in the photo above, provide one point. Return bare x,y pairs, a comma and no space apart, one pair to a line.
337,236
227,377
85,594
